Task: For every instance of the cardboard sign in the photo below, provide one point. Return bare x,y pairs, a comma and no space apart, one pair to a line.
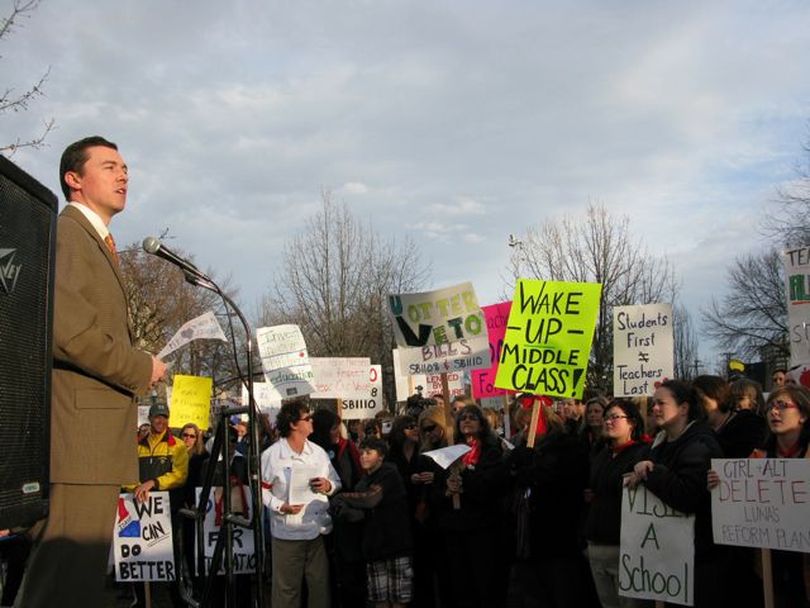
464,355
657,552
244,548
285,359
369,405
483,380
341,377
548,338
143,414
142,540
762,503
437,317
190,401
643,348
405,384
797,283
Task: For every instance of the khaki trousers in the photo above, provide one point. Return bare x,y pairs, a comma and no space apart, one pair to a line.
69,562
293,561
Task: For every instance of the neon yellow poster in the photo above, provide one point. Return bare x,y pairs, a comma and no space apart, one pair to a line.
190,401
548,338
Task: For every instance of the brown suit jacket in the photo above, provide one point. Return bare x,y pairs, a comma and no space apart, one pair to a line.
97,371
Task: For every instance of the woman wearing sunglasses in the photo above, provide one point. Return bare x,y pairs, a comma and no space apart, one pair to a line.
471,531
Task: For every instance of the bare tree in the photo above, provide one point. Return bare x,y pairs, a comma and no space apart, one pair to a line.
598,248
685,343
160,301
789,225
752,315
335,278
12,101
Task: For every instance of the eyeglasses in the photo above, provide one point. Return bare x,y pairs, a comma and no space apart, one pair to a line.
189,436
306,418
781,405
428,428
468,417
615,417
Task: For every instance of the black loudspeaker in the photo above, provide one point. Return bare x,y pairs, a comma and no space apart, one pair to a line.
27,246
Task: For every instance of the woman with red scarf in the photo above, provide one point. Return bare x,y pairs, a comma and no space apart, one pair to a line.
471,523
623,428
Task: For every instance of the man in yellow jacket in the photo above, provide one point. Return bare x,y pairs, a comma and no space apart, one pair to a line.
163,465
162,459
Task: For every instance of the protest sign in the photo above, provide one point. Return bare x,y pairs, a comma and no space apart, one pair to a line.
464,355
405,383
455,385
359,409
797,283
285,360
340,377
267,398
548,338
762,503
205,326
643,348
483,380
431,383
190,401
143,414
142,540
244,552
657,552
437,317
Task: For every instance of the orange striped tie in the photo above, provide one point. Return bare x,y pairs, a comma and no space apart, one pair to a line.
110,242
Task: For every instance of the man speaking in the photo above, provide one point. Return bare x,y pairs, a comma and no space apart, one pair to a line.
96,374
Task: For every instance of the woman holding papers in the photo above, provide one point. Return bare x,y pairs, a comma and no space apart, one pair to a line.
676,473
297,477
623,449
470,524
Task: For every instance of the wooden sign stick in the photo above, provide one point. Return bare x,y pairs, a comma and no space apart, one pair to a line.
507,423
449,419
532,430
767,578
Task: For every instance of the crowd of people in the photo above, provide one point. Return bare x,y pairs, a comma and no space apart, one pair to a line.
508,524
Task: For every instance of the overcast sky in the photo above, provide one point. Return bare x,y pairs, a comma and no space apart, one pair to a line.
456,123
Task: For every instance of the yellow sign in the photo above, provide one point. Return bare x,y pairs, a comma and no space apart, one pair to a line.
548,338
190,401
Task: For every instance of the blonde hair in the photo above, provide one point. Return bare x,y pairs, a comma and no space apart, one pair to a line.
435,415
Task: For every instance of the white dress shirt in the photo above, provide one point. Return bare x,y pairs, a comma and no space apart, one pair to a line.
278,462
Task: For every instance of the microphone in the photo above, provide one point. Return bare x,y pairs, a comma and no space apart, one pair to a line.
153,246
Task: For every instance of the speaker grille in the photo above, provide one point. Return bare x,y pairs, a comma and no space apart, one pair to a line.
27,226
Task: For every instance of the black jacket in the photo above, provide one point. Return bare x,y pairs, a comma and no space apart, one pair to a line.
604,516
555,473
679,477
386,531
741,434
483,486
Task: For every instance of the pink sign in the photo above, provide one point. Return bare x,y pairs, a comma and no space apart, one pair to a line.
483,380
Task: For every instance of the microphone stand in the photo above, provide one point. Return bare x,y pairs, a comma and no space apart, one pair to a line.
221,444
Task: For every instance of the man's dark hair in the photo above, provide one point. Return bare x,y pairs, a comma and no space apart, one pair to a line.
290,413
372,443
75,155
